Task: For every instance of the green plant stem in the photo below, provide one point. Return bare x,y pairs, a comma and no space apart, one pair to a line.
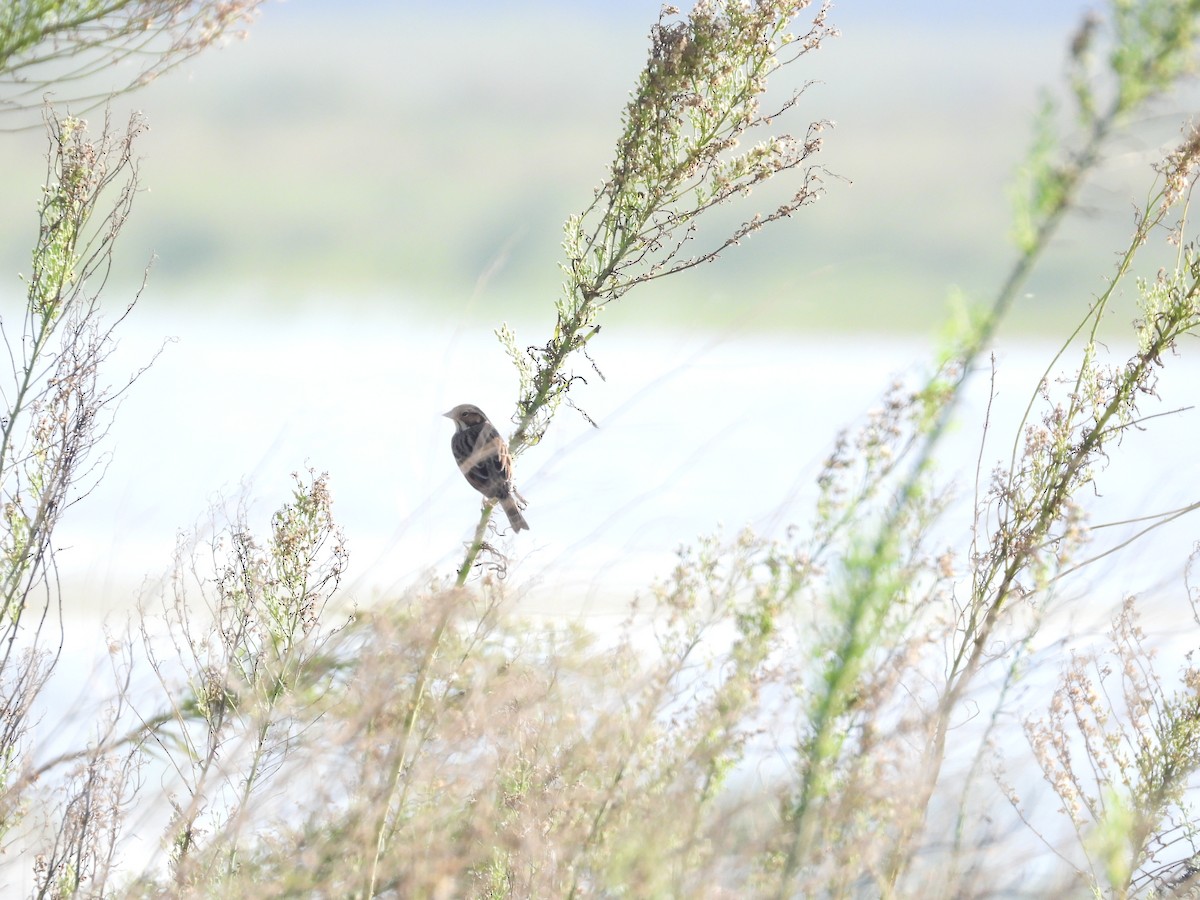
392,808
985,611
475,546
867,597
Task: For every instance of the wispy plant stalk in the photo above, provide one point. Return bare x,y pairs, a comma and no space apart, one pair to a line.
680,155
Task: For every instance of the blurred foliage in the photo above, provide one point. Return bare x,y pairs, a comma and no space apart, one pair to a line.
57,48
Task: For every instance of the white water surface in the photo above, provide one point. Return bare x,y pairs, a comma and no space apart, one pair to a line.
696,432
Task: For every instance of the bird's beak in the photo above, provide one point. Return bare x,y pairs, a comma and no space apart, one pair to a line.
449,415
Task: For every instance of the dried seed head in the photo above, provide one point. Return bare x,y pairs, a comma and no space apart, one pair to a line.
1179,167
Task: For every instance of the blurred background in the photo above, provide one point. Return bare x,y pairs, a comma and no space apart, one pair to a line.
341,207
395,155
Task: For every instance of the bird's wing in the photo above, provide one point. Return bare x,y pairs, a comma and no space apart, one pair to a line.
483,458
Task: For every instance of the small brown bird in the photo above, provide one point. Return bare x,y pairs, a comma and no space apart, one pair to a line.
482,457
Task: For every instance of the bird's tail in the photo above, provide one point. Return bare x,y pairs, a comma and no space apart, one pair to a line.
515,519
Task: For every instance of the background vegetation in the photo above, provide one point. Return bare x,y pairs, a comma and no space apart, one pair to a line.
493,161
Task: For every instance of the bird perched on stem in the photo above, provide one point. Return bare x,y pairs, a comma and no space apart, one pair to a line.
482,457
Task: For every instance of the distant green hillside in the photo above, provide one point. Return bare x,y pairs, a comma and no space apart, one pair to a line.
418,158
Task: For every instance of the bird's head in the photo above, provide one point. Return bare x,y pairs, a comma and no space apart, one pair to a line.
466,415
